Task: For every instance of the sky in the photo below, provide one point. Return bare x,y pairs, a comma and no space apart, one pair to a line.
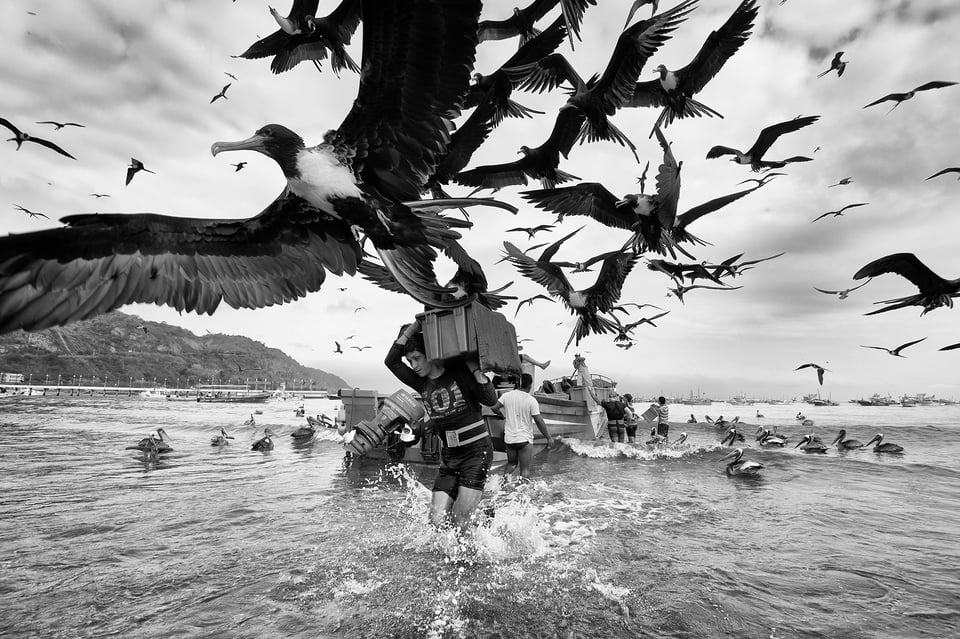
140,76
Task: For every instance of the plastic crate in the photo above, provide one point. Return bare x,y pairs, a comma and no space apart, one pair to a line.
471,331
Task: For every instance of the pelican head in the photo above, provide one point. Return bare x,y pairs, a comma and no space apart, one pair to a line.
840,437
803,440
876,438
737,453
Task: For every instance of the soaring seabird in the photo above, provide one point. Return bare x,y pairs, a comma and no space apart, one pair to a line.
29,212
839,212
896,351
843,182
60,125
303,36
585,304
820,370
21,136
841,294
600,96
836,64
935,291
417,56
674,90
222,94
754,155
135,167
522,22
897,98
497,87
649,217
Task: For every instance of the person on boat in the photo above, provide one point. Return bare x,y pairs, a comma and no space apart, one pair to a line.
520,411
529,365
663,418
615,426
629,418
451,394
582,376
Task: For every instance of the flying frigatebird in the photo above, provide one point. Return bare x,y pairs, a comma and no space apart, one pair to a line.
768,135
522,22
836,64
60,125
303,36
896,351
21,136
820,370
135,167
897,98
935,291
359,178
674,90
839,212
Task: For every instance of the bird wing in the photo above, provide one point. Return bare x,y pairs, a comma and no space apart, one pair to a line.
417,58
770,134
545,74
97,263
379,275
692,215
590,199
890,96
605,292
906,265
936,84
545,273
851,206
131,171
540,46
718,48
827,292
668,184
465,141
301,9
944,172
718,150
897,350
824,215
9,125
50,145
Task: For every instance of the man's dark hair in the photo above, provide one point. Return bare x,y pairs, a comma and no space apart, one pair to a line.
415,343
662,399
526,380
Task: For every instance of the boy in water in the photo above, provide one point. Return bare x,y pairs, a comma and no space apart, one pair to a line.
451,395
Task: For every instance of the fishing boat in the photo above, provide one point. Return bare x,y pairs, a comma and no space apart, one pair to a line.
877,400
230,394
153,393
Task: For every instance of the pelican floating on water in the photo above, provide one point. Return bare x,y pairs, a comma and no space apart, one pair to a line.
251,421
768,438
304,432
811,444
265,443
679,441
846,444
883,447
154,443
222,439
742,467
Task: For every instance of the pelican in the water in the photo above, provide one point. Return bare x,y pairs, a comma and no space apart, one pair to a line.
251,421
681,440
731,435
883,447
846,444
222,439
742,467
304,432
265,443
811,444
767,438
153,443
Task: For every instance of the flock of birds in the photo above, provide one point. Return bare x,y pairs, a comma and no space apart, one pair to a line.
159,442
808,443
371,197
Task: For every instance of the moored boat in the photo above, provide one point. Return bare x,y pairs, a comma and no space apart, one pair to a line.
230,394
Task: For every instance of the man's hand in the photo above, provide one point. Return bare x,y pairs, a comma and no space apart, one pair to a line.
474,367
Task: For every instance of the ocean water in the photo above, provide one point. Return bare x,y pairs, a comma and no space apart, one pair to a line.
606,541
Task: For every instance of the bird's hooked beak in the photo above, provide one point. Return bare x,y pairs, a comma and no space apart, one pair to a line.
253,143
875,438
736,453
803,440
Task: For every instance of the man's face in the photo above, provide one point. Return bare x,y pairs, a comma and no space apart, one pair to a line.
418,362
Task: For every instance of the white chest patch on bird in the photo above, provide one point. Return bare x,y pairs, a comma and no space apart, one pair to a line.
322,179
669,81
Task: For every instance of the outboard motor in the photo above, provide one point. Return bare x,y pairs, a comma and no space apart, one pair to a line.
398,409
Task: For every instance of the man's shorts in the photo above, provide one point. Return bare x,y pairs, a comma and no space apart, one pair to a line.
465,466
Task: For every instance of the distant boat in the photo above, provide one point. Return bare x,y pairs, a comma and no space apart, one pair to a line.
877,400
152,393
230,394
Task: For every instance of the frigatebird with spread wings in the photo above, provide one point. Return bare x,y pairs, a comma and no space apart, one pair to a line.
367,174
754,155
934,291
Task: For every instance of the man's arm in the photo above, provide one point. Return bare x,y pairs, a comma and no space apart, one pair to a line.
542,425
394,359
486,392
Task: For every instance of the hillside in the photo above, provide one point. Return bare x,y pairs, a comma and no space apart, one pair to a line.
128,349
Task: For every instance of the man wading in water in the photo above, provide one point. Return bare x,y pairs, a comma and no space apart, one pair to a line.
451,395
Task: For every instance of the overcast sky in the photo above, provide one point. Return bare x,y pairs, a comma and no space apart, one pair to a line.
140,76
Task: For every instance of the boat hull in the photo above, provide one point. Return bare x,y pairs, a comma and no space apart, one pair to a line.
252,398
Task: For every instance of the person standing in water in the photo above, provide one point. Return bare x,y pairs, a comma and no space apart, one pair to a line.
663,418
451,394
520,411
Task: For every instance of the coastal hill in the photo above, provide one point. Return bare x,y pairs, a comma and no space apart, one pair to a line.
124,348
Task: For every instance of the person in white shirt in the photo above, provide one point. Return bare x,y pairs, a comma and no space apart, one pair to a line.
520,411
